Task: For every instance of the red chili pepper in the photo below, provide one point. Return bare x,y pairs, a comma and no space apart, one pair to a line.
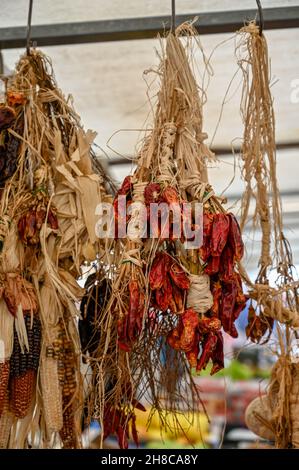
126,186
152,193
229,294
205,249
172,306
235,238
122,438
220,230
52,220
158,271
192,355
190,322
217,294
173,338
207,324
213,265
170,195
179,277
218,356
134,430
258,325
208,348
164,295
226,272
178,296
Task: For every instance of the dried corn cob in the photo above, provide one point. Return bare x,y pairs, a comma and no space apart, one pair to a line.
4,378
22,388
67,433
6,422
51,393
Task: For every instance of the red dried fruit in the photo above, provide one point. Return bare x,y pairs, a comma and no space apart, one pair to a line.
226,271
218,355
213,265
217,294
178,297
170,195
208,347
152,193
228,301
158,271
126,187
220,230
207,324
235,238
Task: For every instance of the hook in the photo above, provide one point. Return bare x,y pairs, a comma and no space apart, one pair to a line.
261,16
29,27
172,29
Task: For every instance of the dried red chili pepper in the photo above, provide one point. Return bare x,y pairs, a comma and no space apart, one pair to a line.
134,430
207,324
226,271
178,297
218,355
126,187
170,195
220,230
229,294
172,306
213,265
152,193
235,238
179,276
122,438
258,325
192,355
173,338
158,271
216,291
208,347
190,322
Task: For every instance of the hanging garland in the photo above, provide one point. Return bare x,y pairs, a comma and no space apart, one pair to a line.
50,187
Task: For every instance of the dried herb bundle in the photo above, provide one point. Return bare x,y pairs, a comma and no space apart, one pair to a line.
167,303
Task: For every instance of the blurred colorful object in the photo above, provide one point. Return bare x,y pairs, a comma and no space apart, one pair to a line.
179,431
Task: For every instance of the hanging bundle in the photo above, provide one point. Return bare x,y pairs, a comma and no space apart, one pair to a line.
258,156
277,413
168,303
50,187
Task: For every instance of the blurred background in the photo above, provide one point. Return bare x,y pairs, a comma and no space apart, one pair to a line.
111,94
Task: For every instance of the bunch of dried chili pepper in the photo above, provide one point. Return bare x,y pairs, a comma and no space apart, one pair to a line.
129,325
169,283
222,248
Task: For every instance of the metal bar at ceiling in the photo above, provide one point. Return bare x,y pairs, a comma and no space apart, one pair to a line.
142,28
219,151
